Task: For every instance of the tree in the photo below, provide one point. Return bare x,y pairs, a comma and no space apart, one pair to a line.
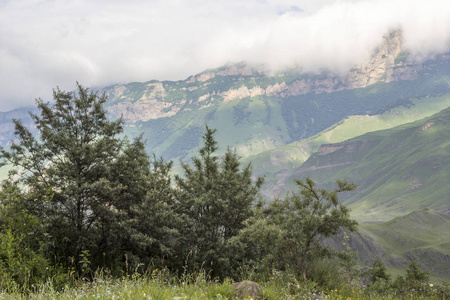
415,280
378,271
86,180
152,224
214,198
289,232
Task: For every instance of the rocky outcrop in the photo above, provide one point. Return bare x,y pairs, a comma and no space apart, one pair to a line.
157,99
241,93
247,289
143,110
389,63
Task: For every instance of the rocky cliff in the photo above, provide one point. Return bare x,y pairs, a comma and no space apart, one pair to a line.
155,100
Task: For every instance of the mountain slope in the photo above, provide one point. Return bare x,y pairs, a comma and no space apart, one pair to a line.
278,163
256,112
423,236
398,170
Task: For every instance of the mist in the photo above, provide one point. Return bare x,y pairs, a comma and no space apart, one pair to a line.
44,44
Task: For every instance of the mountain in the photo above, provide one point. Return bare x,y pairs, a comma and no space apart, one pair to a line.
7,126
276,121
257,111
422,235
398,170
278,164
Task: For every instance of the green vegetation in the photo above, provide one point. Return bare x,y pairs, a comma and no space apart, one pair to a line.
288,233
82,200
406,166
84,186
159,284
213,200
87,214
266,122
274,164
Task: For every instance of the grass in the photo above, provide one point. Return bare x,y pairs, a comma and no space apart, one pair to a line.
160,286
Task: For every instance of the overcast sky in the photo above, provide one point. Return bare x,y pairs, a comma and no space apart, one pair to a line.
49,43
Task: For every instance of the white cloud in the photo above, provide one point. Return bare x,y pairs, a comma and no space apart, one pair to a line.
49,43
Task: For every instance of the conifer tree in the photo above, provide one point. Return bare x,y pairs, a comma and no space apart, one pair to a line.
86,181
152,223
214,199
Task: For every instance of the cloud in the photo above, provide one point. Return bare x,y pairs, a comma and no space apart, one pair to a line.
49,43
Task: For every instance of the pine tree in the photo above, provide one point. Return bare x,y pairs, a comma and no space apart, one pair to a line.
214,199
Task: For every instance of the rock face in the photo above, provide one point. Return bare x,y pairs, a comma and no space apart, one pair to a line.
247,289
155,100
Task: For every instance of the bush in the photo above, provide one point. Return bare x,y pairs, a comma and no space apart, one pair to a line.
19,265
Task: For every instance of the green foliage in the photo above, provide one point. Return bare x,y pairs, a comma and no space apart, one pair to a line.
288,234
379,279
378,272
214,198
85,182
416,281
152,224
22,262
19,265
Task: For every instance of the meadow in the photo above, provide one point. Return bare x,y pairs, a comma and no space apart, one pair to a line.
161,285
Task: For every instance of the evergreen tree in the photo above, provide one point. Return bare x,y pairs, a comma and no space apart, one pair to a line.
378,271
85,180
214,198
152,223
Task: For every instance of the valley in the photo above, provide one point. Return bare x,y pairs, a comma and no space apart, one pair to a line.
384,125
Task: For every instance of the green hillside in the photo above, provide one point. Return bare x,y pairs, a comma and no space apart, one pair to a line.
423,236
277,164
254,122
398,170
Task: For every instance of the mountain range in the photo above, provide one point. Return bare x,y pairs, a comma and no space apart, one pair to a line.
383,125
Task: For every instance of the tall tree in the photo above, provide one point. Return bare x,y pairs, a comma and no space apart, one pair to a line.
215,197
86,179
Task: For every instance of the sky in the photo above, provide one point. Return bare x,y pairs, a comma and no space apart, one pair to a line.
50,43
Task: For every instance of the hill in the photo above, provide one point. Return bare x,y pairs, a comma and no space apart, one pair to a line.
422,235
278,164
398,170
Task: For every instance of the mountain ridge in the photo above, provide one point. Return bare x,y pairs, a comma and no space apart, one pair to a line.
388,63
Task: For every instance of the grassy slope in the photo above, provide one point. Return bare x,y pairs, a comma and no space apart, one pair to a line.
277,164
399,170
423,236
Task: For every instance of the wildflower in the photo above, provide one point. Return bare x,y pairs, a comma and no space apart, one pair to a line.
431,285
